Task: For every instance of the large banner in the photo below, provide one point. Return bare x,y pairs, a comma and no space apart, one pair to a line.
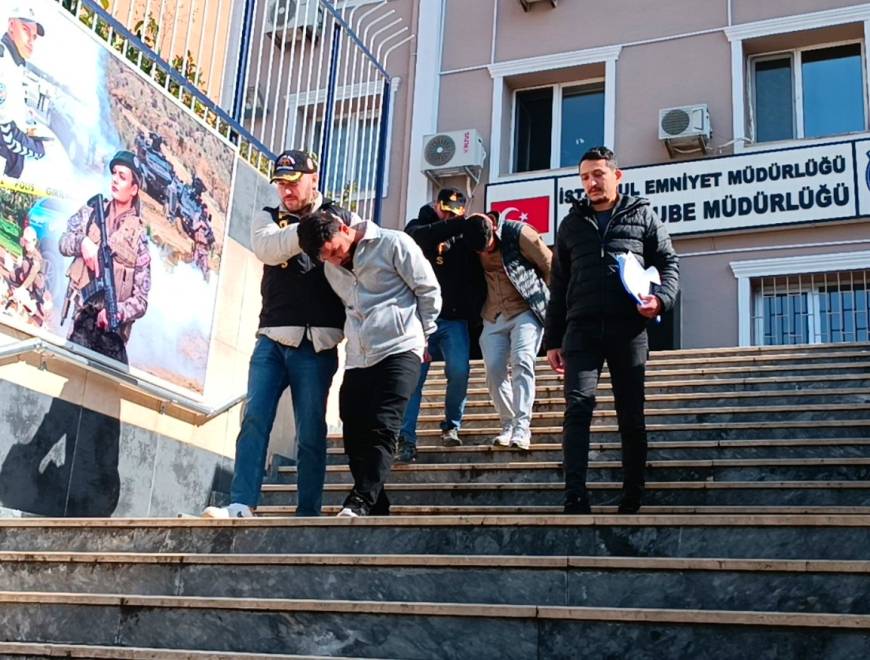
113,201
756,189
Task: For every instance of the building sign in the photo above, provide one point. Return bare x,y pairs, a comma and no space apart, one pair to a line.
761,189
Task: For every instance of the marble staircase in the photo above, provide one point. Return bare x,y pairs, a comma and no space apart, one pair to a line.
754,540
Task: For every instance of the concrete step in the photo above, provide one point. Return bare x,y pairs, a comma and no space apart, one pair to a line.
686,450
267,511
682,493
43,650
658,375
779,536
708,414
824,382
604,401
735,357
786,428
786,469
426,630
732,584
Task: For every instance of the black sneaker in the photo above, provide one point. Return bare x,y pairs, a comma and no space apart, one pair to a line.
407,452
450,438
630,502
577,506
353,507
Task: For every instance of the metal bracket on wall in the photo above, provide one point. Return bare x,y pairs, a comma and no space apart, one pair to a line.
197,411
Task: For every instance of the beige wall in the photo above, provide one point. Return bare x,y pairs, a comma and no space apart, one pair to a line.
744,11
709,288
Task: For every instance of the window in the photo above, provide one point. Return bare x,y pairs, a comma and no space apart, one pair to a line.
350,166
555,125
813,308
808,93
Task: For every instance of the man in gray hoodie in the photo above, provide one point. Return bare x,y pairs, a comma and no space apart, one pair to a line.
392,300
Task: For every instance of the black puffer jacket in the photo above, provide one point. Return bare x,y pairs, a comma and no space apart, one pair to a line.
456,265
586,292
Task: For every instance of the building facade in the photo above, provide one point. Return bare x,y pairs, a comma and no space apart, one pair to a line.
745,123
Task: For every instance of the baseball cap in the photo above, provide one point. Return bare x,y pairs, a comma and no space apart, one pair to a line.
24,12
451,200
290,165
127,159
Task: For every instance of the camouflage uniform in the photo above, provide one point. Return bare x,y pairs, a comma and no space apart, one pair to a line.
132,266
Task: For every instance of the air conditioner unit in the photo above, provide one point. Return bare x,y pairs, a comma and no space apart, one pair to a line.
685,129
288,20
454,152
255,107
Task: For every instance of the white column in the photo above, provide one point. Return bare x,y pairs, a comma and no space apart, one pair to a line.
610,103
866,72
738,95
427,86
744,312
495,129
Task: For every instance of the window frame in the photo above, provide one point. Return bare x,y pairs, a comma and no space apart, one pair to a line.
556,118
796,57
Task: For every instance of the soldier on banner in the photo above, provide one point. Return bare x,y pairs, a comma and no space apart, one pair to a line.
130,264
17,126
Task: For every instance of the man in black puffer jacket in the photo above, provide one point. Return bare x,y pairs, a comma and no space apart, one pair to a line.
591,318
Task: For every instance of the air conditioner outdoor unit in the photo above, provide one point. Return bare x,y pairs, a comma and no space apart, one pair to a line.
454,152
685,129
288,20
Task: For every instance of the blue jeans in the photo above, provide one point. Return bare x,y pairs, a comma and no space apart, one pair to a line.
449,343
513,343
273,368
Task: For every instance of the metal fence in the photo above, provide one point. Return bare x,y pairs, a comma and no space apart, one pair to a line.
273,74
820,308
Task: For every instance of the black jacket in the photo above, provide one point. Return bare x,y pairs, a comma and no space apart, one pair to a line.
457,267
586,293
296,293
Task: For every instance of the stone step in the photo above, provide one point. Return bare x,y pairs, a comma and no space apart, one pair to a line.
773,536
687,450
654,375
823,382
43,650
726,413
725,430
267,511
426,630
786,469
732,584
736,357
683,493
604,401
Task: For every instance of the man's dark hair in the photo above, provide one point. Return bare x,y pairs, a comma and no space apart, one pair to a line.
479,232
601,153
315,229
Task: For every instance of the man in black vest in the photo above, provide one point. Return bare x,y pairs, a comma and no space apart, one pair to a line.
591,318
300,326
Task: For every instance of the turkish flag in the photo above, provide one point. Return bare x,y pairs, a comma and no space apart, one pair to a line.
534,210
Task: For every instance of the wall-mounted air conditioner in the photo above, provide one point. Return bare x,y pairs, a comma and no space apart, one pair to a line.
453,152
685,129
288,20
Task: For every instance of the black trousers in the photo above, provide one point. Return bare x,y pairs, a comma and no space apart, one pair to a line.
372,405
585,355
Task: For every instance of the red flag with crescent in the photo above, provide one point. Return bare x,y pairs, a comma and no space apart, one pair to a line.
534,210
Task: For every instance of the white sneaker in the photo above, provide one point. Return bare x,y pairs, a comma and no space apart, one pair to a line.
347,512
503,439
521,439
234,510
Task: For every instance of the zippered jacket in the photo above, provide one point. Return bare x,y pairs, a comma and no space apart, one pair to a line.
586,293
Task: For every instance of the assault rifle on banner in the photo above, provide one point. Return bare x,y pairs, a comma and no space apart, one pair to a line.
104,282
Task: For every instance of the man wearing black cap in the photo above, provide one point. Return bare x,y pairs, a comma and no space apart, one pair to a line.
438,230
16,47
131,259
301,323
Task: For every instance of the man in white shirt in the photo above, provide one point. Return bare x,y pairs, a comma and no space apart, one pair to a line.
392,300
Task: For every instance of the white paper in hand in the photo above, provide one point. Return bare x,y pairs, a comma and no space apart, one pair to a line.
635,279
